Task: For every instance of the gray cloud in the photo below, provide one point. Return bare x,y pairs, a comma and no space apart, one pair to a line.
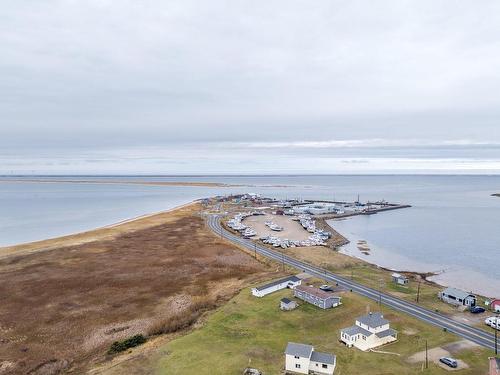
80,77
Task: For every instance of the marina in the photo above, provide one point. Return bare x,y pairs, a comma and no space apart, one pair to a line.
296,222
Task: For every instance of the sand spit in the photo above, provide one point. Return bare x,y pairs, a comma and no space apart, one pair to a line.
122,182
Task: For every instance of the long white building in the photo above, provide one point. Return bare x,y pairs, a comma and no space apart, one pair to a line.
287,282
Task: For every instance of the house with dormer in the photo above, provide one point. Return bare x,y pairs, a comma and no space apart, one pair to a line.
369,331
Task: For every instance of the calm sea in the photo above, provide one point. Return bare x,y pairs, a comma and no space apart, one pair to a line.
453,226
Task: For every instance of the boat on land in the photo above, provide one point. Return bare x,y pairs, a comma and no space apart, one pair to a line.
273,226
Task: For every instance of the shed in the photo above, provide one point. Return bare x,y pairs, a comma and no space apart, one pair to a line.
495,305
399,279
287,304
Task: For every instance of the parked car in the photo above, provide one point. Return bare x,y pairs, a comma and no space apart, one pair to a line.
477,310
449,362
493,322
326,288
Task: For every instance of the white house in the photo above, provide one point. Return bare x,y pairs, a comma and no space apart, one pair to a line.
457,297
287,282
302,359
370,331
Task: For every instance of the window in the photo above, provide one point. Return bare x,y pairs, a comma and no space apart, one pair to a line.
324,366
297,365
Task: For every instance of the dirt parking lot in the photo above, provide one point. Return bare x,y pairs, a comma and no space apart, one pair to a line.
61,309
445,351
292,230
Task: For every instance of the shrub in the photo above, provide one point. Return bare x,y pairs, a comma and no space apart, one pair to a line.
182,319
120,346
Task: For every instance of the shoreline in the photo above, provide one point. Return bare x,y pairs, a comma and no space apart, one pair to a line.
108,231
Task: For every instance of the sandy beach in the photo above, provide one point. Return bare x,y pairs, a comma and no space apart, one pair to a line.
107,232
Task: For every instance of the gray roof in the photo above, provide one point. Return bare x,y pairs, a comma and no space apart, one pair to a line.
399,276
276,282
323,358
373,320
387,332
457,293
316,292
354,330
300,350
285,300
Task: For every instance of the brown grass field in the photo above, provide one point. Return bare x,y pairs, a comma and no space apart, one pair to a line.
62,308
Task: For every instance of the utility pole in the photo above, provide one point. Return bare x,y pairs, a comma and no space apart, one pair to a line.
496,334
426,355
418,291
380,293
255,249
283,259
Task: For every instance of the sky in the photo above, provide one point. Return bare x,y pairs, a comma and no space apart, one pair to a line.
200,87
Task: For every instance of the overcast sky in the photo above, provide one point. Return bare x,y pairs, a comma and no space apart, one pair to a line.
249,86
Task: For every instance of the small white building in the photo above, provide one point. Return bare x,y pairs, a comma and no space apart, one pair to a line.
287,304
302,359
399,279
287,282
370,331
457,297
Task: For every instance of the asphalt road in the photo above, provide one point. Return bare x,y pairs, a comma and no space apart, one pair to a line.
463,330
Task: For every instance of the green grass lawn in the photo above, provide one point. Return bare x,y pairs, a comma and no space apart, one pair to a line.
250,331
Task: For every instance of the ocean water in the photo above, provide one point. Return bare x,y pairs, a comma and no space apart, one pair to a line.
36,211
453,226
